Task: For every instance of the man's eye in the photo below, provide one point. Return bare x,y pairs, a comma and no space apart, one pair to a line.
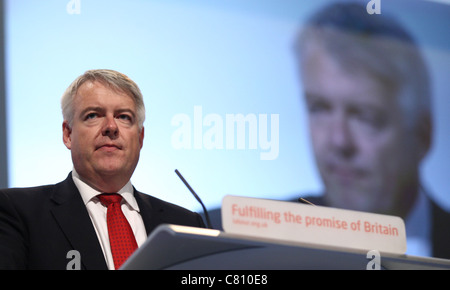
318,107
91,116
375,121
125,117
372,118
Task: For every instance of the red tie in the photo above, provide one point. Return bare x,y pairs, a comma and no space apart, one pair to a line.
121,237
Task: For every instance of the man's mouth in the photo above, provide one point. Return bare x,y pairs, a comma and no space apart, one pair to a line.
108,147
345,174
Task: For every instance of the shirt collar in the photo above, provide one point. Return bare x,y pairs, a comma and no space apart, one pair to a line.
89,194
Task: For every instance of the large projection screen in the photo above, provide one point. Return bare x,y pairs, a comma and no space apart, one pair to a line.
199,63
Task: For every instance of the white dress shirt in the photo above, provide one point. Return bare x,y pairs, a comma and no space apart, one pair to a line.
97,212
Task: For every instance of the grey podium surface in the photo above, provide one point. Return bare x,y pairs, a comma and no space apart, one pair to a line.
174,247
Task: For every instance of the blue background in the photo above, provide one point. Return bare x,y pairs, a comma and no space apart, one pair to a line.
227,56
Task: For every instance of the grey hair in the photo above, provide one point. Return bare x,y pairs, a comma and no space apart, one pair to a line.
113,79
376,44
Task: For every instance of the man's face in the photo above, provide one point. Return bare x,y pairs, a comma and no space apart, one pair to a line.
358,135
104,139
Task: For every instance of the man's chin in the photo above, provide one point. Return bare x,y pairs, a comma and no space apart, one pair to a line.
110,169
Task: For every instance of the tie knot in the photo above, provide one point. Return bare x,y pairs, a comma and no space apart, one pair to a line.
109,198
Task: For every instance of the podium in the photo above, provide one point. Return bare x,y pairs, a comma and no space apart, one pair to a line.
173,247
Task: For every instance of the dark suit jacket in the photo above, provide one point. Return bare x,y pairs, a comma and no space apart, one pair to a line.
40,225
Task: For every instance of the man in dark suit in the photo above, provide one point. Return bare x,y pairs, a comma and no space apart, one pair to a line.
368,98
41,227
368,102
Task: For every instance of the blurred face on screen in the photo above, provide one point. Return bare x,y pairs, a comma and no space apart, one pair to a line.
359,139
104,139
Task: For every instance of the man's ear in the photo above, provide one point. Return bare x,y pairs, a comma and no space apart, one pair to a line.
141,137
67,131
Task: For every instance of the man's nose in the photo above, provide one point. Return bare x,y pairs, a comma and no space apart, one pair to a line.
341,136
110,127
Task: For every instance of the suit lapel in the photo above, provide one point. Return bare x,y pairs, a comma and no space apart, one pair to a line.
73,218
440,236
148,213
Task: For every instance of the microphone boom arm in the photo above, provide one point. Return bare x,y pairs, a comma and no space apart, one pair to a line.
196,197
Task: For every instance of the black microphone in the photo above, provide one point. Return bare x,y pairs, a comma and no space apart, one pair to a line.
196,196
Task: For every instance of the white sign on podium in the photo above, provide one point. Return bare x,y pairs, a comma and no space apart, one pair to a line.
296,222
